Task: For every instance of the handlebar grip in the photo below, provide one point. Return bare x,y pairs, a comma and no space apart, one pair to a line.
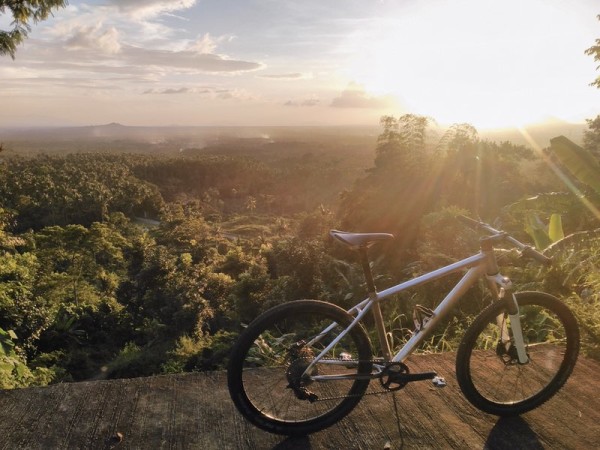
530,252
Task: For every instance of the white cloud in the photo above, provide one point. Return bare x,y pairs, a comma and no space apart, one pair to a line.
152,8
285,76
356,97
186,60
204,91
94,38
169,91
235,94
207,43
107,40
101,50
308,102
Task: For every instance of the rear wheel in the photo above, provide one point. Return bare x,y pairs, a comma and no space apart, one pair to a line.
488,371
265,374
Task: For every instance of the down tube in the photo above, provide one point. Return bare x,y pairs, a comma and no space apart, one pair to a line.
439,313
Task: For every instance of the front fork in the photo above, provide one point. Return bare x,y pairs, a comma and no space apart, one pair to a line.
501,286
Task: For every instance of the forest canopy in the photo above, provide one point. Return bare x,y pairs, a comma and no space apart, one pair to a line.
124,264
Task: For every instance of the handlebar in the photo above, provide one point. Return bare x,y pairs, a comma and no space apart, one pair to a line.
526,250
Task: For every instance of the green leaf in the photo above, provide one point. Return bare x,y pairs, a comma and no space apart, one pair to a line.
537,230
555,229
6,367
21,370
580,162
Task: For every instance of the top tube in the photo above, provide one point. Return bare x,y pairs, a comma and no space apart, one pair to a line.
466,263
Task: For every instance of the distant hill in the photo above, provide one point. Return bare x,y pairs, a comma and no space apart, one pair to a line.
118,137
118,131
170,139
109,131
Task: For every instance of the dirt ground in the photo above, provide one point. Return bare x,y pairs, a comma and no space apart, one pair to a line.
194,411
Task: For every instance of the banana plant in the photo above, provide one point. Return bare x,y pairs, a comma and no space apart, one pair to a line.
544,235
582,164
583,167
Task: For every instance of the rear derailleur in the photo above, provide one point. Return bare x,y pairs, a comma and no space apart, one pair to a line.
300,358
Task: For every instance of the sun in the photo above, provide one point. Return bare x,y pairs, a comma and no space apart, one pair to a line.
491,64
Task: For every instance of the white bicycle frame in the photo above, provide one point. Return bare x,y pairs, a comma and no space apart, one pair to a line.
479,265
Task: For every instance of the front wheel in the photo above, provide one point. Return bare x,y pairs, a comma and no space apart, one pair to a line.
488,371
269,377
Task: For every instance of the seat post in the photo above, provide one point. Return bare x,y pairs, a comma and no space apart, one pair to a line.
376,310
364,261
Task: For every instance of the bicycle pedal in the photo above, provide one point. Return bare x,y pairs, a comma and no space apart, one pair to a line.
438,382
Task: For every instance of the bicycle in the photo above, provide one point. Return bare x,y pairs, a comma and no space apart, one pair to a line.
302,366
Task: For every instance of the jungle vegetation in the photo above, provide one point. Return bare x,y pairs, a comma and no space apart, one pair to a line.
133,264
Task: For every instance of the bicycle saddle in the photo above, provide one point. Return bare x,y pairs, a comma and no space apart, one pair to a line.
359,240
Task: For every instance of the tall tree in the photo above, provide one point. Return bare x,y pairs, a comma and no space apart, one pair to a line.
23,13
395,194
591,136
402,141
594,51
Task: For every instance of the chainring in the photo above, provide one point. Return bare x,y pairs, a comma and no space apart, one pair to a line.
390,379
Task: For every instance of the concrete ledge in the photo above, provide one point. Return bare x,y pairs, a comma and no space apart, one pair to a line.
194,411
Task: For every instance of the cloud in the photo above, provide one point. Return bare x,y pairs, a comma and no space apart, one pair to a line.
94,38
208,43
204,91
356,97
285,76
169,91
186,60
95,50
312,101
31,84
151,8
126,45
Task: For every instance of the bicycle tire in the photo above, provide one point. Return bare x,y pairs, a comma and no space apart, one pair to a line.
262,369
493,380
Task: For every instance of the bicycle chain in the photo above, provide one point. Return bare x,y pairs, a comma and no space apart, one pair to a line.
384,391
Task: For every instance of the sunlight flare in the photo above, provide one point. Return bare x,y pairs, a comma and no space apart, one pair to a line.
486,63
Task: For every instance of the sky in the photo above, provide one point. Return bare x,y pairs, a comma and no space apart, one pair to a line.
489,63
